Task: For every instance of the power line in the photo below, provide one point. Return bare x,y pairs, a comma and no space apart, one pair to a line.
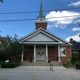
35,19
38,11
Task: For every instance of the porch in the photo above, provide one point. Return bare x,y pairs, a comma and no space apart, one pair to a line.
41,53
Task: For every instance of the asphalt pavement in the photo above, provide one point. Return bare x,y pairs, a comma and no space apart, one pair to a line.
39,73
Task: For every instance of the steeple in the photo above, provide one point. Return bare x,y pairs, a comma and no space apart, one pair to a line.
41,20
41,11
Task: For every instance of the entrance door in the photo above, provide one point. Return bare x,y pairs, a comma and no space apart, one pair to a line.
40,53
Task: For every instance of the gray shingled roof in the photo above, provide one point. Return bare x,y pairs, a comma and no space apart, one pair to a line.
75,46
3,38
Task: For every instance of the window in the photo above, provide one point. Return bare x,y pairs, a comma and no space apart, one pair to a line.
75,52
63,51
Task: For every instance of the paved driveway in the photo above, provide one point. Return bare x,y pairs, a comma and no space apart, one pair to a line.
38,74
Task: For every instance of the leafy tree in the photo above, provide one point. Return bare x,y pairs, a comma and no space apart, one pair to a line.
1,1
12,48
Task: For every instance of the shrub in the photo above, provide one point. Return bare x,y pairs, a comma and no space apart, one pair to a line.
74,58
77,65
49,61
10,65
68,64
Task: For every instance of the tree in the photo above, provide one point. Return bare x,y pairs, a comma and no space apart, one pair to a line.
1,1
12,48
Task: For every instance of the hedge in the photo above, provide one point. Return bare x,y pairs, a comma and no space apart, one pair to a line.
10,65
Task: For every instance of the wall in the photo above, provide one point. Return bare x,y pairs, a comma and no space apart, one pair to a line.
15,59
43,25
68,54
53,53
28,54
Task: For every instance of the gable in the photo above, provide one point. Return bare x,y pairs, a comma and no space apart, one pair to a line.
40,37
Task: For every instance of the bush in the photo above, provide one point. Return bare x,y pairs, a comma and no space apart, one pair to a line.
74,58
77,65
49,61
68,64
10,65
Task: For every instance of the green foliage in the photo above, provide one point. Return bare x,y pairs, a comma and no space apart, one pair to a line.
2,55
10,65
31,60
49,61
77,65
12,48
68,64
74,58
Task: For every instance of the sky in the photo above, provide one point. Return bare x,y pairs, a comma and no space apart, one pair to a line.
63,17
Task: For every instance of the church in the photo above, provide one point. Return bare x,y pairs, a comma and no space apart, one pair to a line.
42,45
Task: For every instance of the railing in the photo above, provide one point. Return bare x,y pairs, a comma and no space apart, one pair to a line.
51,67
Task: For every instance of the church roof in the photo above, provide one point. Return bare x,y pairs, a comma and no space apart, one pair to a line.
40,39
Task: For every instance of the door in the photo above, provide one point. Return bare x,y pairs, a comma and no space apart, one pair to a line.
40,53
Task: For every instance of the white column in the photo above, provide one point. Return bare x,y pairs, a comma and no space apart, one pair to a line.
46,53
34,52
59,60
22,56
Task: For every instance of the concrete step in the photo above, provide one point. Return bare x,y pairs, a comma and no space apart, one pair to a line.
27,63
40,63
55,63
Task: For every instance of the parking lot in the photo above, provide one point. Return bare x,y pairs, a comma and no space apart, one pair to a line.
36,74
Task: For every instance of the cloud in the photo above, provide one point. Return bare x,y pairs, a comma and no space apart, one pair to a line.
75,29
75,4
76,21
60,19
49,26
75,37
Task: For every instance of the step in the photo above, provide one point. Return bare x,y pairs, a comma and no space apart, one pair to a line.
26,63
40,63
55,63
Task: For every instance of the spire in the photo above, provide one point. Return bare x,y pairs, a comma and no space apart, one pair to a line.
41,10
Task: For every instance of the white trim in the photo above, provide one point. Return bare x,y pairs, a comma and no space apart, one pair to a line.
41,42
46,53
59,60
34,52
44,32
65,52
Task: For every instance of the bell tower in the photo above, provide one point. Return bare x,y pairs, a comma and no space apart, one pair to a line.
41,20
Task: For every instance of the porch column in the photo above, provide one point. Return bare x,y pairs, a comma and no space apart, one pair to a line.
59,60
46,53
22,56
34,52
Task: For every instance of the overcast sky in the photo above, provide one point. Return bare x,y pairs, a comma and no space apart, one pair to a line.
63,21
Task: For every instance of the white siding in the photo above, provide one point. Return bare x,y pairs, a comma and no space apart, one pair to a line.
40,37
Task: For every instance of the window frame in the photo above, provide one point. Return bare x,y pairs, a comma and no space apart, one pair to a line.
61,52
